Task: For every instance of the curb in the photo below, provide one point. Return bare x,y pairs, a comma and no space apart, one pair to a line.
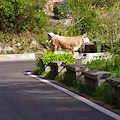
78,97
25,56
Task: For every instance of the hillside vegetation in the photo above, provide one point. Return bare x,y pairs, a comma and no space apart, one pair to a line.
24,21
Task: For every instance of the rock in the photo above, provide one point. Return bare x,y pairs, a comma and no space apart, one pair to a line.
34,44
8,48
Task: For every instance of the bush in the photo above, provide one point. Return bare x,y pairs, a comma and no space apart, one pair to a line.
97,64
102,3
111,65
84,19
97,3
17,15
67,58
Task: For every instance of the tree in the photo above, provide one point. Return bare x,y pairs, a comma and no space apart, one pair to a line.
17,15
111,22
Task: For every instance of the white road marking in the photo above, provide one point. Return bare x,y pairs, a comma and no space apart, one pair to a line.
84,100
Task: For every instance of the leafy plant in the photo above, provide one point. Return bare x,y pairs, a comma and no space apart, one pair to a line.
97,64
84,19
17,15
111,65
67,58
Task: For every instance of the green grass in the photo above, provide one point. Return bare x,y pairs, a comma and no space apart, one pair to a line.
110,65
104,92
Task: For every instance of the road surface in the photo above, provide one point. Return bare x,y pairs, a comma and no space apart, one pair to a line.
23,97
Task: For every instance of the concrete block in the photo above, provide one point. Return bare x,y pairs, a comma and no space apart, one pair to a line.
94,79
115,83
57,67
76,71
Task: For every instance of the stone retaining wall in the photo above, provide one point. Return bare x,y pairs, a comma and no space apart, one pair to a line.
91,78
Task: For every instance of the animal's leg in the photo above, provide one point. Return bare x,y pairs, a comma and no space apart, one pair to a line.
55,48
82,48
73,51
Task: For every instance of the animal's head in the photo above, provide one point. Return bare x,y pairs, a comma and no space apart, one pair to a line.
85,38
54,39
50,35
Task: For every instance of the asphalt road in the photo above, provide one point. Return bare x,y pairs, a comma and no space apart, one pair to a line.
25,98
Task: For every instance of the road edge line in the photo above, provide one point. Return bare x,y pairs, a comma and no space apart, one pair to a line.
78,97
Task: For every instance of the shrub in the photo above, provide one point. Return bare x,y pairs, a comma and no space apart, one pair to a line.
97,64
67,58
84,19
102,3
111,65
17,15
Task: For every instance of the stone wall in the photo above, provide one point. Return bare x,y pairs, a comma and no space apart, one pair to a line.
91,78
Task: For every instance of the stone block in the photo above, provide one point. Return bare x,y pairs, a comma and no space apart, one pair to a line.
115,83
94,79
76,70
57,67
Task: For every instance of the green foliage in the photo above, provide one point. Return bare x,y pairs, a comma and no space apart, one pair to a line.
102,3
50,56
62,10
96,3
115,49
38,71
104,92
99,19
111,65
97,64
67,58
3,37
84,89
17,15
84,19
69,80
110,19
